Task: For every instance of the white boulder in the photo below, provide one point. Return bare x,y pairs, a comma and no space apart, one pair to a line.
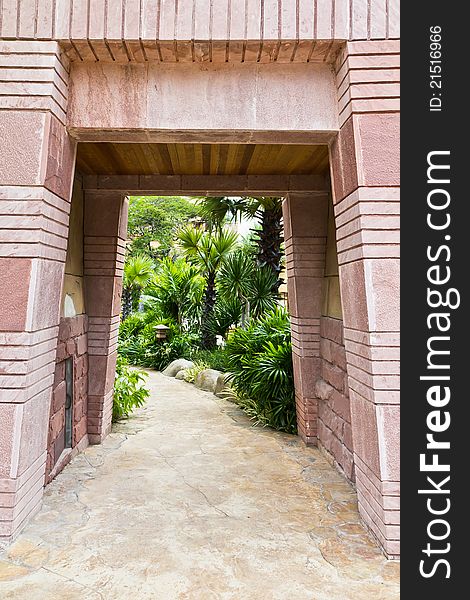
176,366
207,379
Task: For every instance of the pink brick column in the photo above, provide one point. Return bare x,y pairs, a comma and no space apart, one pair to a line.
305,229
36,171
365,171
105,228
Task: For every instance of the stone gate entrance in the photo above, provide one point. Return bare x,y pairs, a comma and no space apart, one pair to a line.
97,104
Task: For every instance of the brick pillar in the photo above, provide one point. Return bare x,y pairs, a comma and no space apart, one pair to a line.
365,172
305,229
105,229
36,171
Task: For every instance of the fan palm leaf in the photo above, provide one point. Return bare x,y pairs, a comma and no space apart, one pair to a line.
138,274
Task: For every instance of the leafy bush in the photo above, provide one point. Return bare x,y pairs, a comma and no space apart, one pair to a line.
144,349
191,374
182,345
207,250
263,299
214,359
259,360
132,326
226,312
129,392
177,291
252,286
138,273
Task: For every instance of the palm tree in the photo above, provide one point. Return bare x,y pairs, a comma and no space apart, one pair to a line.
235,279
177,289
268,212
138,273
208,250
251,285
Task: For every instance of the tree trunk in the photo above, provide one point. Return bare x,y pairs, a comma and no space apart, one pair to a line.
135,298
270,240
126,303
208,338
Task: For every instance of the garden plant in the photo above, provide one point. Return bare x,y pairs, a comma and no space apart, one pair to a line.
217,293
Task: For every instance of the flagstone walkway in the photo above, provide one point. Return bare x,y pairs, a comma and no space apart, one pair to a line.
187,501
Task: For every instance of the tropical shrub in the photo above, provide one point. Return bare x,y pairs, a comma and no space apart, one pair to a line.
132,326
267,237
181,345
176,291
214,359
259,359
129,391
226,312
146,351
138,273
207,250
191,373
241,279
263,298
137,336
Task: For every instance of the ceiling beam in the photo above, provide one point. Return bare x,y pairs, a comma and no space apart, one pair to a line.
201,136
207,185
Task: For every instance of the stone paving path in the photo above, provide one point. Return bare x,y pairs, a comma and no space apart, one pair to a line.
187,501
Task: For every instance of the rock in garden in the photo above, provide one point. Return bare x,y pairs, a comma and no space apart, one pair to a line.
181,374
222,386
206,380
176,366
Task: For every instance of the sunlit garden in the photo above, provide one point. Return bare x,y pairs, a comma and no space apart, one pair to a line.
204,286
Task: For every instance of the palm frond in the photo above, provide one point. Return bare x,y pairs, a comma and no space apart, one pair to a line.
138,271
236,275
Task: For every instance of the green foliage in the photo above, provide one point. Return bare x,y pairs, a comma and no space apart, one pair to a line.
138,273
236,275
132,326
182,345
214,359
145,350
263,297
227,312
249,245
129,392
267,211
177,290
216,210
208,250
191,374
156,219
253,286
259,360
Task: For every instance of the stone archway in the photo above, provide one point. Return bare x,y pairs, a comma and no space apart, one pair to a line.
351,108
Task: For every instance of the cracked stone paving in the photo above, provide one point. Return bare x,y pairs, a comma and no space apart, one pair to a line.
187,500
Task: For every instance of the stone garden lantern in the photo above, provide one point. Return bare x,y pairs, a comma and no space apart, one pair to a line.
161,332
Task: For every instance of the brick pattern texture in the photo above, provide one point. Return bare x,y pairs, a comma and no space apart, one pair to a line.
334,413
36,172
305,230
105,228
72,342
201,30
365,175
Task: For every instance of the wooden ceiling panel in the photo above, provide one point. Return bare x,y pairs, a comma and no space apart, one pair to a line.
106,158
